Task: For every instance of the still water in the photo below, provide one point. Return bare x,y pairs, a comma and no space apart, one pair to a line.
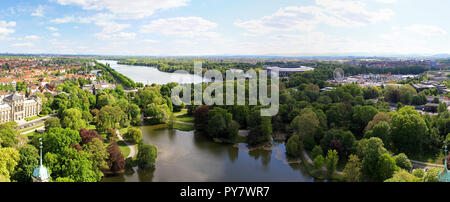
185,157
150,75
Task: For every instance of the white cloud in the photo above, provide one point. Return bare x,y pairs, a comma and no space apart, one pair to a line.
426,30
56,34
53,29
32,37
66,19
346,13
116,36
387,1
182,27
38,12
22,45
6,28
150,41
134,9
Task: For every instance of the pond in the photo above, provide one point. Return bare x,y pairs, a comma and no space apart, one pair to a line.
187,157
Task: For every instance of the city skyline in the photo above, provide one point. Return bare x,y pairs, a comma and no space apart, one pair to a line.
194,27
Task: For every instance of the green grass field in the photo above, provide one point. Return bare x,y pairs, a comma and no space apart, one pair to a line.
124,148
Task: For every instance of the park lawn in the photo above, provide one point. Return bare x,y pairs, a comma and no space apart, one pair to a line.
124,148
183,127
33,118
185,118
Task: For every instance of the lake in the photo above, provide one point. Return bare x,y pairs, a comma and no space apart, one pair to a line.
150,75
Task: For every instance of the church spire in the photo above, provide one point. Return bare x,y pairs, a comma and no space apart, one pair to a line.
40,151
40,174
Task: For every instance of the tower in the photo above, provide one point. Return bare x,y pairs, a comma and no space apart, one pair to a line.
40,174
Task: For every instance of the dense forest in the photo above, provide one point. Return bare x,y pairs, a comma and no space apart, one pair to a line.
351,133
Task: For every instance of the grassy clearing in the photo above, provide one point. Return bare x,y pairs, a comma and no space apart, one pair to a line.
183,127
185,118
33,118
124,148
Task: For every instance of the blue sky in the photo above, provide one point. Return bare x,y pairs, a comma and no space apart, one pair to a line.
225,27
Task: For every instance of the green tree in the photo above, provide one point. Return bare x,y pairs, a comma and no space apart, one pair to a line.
331,161
57,139
72,164
52,123
403,176
109,118
306,124
419,173
99,154
29,158
146,156
386,167
383,131
431,175
403,162
133,135
319,161
408,130
370,151
134,114
9,158
362,115
8,136
73,119
294,147
316,151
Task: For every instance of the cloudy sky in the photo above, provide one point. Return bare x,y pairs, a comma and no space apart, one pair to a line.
225,27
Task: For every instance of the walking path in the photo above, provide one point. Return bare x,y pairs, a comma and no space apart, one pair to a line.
418,164
131,146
